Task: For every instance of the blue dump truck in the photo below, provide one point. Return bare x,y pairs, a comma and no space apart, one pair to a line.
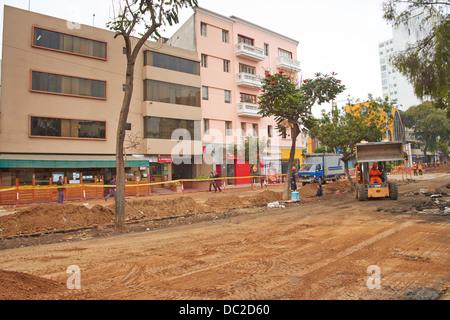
320,167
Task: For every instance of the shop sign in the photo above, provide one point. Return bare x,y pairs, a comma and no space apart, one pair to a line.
165,159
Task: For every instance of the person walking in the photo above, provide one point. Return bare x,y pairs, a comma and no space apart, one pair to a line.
112,190
211,182
61,190
216,182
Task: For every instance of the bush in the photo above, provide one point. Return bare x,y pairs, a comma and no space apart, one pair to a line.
202,177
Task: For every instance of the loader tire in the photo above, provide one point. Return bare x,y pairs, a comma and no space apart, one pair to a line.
393,191
361,192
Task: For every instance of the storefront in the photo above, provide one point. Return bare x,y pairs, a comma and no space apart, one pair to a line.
38,169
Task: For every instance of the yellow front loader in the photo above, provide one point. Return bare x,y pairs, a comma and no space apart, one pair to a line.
380,153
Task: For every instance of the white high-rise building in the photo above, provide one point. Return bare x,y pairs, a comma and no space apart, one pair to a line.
394,84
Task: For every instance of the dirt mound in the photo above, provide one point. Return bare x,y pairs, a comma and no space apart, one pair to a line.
310,190
226,203
53,217
265,197
161,209
23,286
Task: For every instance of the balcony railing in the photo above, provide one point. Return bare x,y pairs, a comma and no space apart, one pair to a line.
248,80
250,52
287,64
247,109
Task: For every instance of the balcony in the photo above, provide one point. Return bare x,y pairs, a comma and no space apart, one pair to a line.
250,52
289,65
246,109
248,80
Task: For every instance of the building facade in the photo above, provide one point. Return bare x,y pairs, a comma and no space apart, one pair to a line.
62,91
235,55
391,125
394,84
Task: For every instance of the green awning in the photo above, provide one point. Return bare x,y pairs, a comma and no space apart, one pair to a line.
66,161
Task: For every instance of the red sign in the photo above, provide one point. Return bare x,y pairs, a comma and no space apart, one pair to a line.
165,159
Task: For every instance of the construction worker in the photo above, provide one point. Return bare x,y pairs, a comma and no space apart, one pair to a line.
420,168
415,168
294,178
375,174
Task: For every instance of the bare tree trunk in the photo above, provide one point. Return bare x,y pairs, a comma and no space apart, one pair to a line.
287,188
119,219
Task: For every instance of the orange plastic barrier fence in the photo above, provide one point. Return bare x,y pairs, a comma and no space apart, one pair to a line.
16,196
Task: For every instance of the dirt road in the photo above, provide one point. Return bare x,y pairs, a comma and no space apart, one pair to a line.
332,248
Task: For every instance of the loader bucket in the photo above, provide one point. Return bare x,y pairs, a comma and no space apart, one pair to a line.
379,151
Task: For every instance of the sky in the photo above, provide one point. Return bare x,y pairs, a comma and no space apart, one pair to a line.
334,36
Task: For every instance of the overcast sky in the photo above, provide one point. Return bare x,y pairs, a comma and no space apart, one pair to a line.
334,36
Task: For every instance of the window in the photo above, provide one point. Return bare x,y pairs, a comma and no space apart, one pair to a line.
228,128
67,43
255,129
227,96
266,49
162,128
242,39
246,69
204,60
169,62
206,126
225,36
166,92
243,128
226,66
284,53
269,131
248,98
67,128
67,85
203,29
205,93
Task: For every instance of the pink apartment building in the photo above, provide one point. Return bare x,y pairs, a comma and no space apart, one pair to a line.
235,55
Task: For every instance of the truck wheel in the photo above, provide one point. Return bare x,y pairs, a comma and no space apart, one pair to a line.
393,191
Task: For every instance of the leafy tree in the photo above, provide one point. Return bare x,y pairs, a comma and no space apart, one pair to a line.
426,62
150,14
430,125
443,148
342,129
321,149
291,105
